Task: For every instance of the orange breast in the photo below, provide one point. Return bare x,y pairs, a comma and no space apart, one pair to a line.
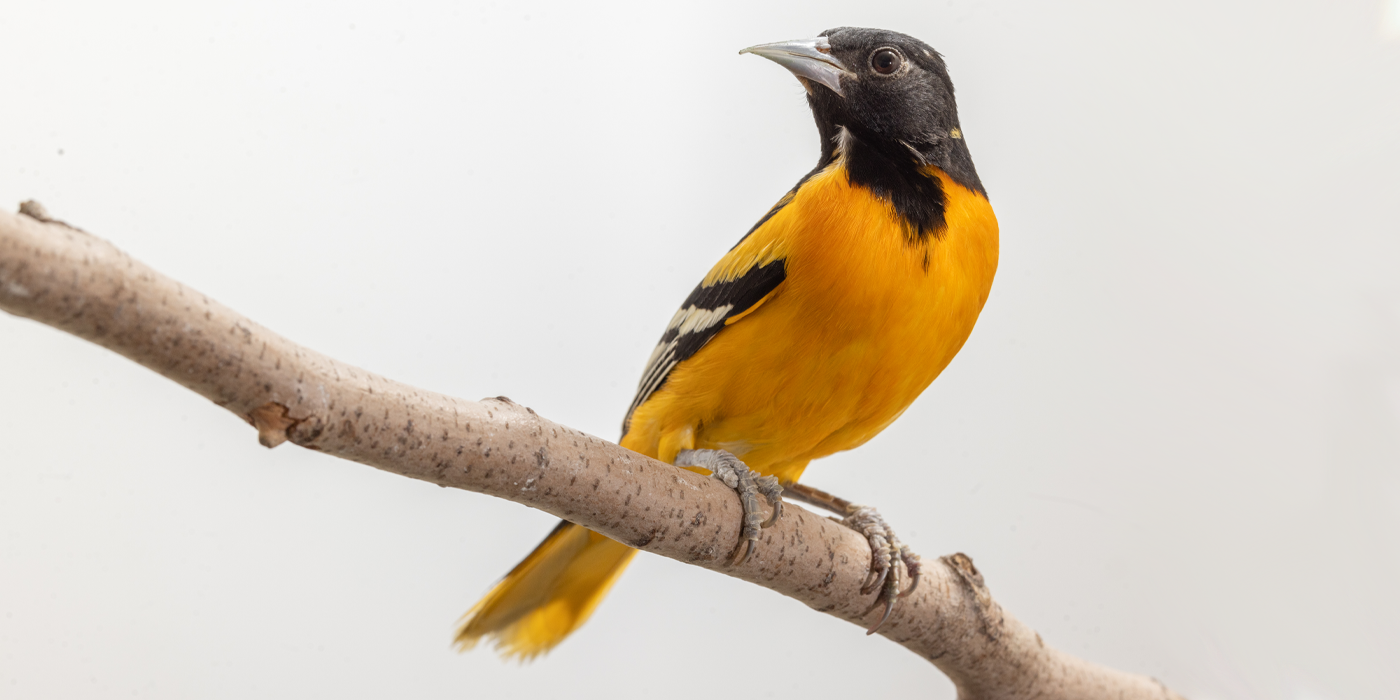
865,320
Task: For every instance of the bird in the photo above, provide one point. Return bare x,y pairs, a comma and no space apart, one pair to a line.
810,336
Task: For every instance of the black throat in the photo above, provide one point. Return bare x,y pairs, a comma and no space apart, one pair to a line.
896,171
896,177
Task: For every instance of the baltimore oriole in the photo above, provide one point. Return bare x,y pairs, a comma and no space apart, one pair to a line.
814,333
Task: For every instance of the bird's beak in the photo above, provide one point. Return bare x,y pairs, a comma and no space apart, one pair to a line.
808,59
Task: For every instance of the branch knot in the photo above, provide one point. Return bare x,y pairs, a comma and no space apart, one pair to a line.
272,422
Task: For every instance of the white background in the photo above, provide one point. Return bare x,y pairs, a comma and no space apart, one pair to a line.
1172,444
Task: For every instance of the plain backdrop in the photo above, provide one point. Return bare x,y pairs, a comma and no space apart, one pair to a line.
1172,444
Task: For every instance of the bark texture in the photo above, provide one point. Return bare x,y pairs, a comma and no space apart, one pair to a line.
64,277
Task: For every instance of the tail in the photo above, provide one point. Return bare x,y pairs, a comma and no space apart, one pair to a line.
548,595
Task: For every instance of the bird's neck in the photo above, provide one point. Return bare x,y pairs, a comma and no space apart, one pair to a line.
897,173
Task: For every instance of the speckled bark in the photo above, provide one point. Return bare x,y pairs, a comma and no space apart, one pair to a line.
71,280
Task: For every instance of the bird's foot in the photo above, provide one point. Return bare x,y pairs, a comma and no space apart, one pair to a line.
886,574
887,553
749,484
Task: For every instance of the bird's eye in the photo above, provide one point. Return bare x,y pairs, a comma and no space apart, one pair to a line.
886,61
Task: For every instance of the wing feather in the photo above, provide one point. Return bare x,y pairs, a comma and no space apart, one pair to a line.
702,316
736,285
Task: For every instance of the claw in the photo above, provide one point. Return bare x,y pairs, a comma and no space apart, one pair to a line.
772,490
869,584
888,594
749,534
889,608
773,519
872,585
913,583
749,485
887,554
746,546
912,564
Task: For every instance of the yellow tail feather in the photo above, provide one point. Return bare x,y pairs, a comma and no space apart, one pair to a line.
548,595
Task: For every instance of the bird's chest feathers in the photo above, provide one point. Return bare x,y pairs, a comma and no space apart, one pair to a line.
855,261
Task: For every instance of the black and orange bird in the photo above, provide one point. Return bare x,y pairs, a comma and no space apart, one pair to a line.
810,336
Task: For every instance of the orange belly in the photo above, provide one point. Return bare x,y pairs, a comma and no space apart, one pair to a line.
866,319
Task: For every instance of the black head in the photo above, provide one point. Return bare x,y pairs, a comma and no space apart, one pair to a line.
883,93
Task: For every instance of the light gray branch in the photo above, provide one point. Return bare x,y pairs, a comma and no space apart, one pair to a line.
66,278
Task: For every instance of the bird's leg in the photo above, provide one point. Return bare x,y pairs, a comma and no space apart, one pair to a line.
748,483
885,573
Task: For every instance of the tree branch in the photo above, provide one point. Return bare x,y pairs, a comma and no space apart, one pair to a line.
64,277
